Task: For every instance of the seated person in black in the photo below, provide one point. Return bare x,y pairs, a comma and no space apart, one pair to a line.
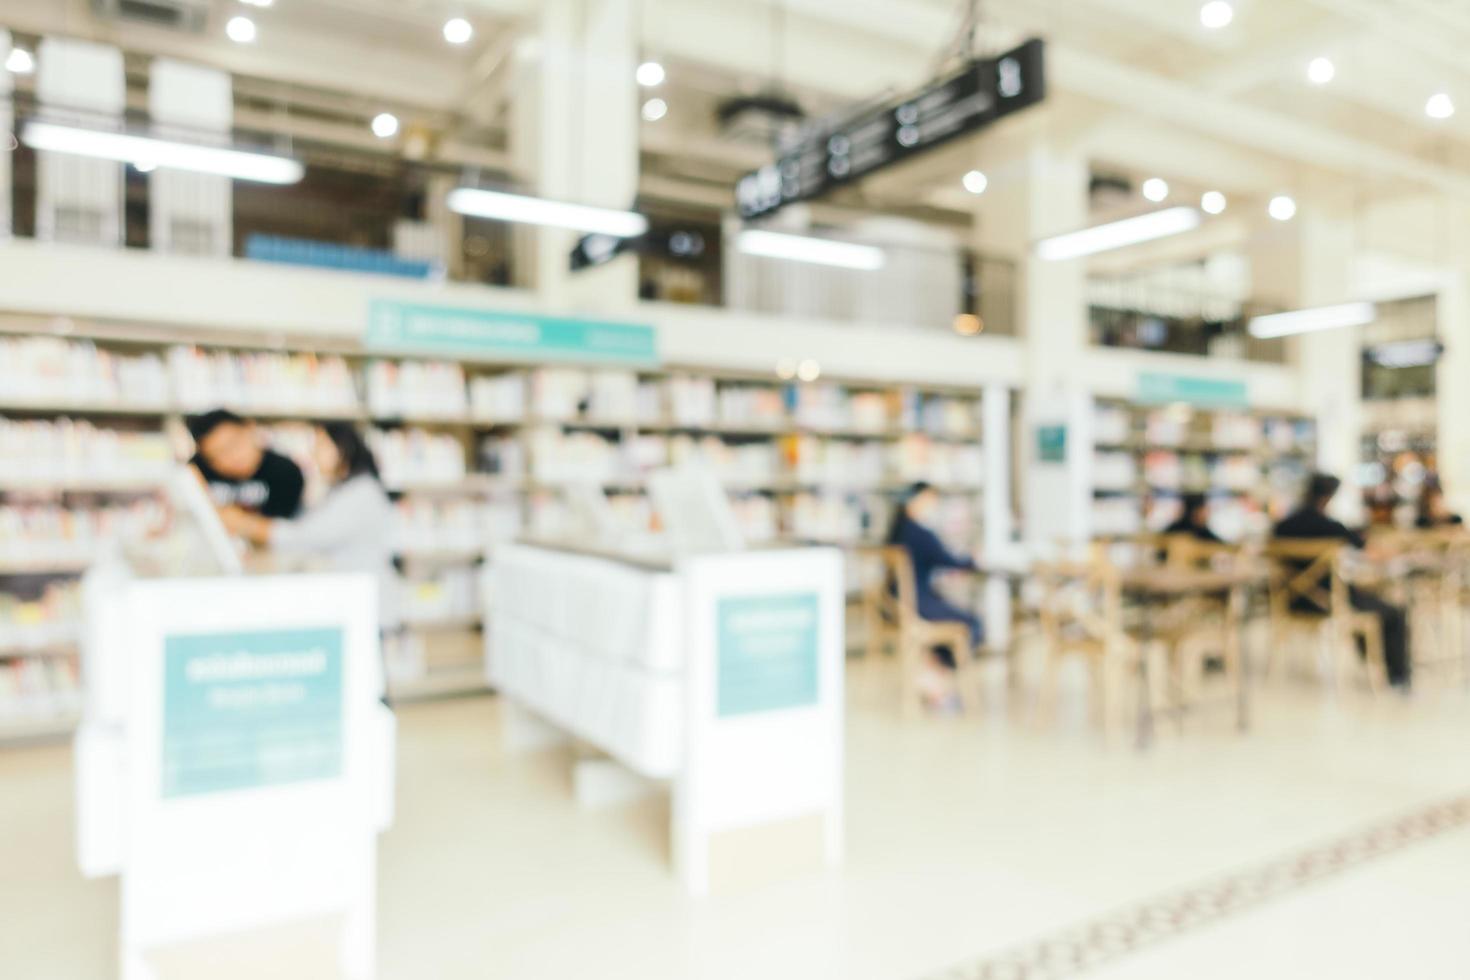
1434,512
928,555
240,471
1195,520
1311,522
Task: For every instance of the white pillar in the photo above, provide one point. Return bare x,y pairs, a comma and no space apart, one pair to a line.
1452,386
575,127
7,137
79,200
190,213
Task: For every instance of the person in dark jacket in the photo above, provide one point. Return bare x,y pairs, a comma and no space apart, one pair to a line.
1195,519
1433,511
910,530
1310,522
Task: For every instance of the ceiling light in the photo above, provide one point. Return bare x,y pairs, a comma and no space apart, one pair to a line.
258,3
457,30
1156,189
144,166
1118,234
1216,14
385,124
1308,321
975,182
1439,106
124,148
1320,71
655,109
809,370
539,211
1419,352
649,74
801,248
968,324
786,368
241,30
1213,202
20,62
1282,208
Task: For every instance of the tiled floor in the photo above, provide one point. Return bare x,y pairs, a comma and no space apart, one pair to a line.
966,838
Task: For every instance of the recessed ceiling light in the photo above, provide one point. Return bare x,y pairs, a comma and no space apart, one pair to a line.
241,30
385,124
975,182
1439,106
655,109
1212,202
649,74
457,30
144,166
1156,189
20,62
809,370
1320,71
258,3
968,324
1216,14
1282,208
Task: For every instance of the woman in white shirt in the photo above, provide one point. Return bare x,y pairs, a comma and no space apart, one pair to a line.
349,529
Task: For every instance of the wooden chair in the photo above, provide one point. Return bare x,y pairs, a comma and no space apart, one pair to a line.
1309,573
893,620
1081,614
1199,627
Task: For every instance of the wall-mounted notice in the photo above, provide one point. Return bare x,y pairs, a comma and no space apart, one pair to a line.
1204,392
417,328
245,710
767,654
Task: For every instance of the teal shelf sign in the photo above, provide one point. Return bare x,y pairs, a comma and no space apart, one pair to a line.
1051,443
246,710
416,328
767,653
1159,389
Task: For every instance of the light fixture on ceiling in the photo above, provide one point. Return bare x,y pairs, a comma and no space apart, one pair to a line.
1213,202
809,370
1274,325
385,125
457,30
1320,71
649,74
20,62
655,109
169,154
540,211
968,324
975,182
1118,234
241,30
1418,352
802,248
258,3
786,368
1281,207
144,166
1156,189
1216,14
1439,106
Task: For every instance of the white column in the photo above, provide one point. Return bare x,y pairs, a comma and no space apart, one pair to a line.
1452,386
7,137
79,200
190,213
575,127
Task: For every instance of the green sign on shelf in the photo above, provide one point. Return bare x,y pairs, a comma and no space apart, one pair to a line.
1205,392
426,329
1051,443
244,710
767,653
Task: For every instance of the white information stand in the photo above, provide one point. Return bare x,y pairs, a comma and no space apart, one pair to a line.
235,763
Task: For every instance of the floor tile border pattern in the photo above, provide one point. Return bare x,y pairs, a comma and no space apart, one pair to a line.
1126,931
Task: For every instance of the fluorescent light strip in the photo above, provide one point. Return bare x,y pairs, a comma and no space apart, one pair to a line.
553,214
1311,320
1406,353
223,161
802,248
1118,234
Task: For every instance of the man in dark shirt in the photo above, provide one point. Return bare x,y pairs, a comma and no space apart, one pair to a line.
1195,519
239,470
1311,522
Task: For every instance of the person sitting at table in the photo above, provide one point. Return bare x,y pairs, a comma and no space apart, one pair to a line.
910,531
1434,512
1310,522
1194,520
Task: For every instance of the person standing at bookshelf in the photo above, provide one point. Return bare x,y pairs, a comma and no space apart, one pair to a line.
239,471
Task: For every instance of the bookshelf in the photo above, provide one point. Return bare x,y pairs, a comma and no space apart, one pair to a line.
474,454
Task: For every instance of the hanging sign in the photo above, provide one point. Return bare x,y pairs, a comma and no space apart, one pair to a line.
419,328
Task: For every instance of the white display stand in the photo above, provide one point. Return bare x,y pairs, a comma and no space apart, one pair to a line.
722,674
235,762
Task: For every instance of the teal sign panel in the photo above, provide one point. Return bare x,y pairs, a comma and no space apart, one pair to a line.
252,709
767,653
1205,392
417,328
1051,443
